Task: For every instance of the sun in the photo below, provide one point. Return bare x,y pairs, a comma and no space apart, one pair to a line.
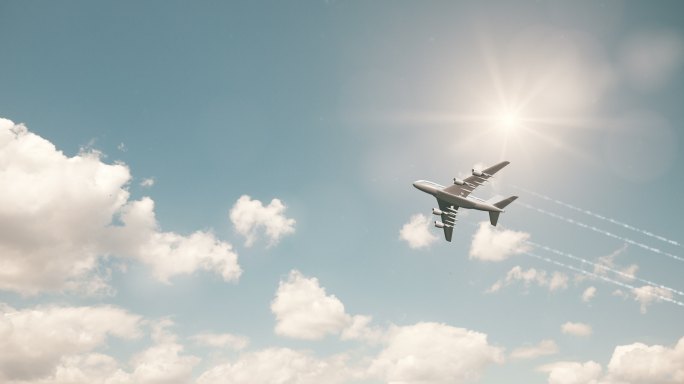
509,120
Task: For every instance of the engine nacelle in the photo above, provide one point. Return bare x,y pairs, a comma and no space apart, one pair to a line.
458,181
439,224
437,212
477,173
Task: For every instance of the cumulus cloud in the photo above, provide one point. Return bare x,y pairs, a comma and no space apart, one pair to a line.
576,329
588,294
434,353
249,216
417,232
304,310
49,339
221,340
648,294
543,348
492,244
56,221
556,281
632,363
163,362
640,363
569,372
279,365
168,253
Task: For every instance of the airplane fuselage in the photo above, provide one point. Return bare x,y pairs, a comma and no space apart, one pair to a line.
469,202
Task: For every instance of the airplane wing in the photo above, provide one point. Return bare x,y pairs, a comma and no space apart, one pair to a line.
473,181
448,217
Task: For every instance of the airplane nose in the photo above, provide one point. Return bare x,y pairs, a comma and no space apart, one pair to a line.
415,184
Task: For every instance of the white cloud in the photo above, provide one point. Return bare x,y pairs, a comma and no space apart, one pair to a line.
543,348
163,363
636,363
417,232
648,294
568,372
640,363
248,216
168,253
649,59
56,215
434,353
558,280
492,244
221,340
531,276
36,342
148,182
303,310
576,329
588,294
279,365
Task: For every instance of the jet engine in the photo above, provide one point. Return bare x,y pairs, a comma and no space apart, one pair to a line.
477,173
439,224
436,211
458,181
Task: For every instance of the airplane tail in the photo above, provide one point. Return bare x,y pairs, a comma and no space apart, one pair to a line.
494,216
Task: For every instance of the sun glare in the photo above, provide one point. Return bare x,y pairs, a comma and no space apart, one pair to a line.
509,120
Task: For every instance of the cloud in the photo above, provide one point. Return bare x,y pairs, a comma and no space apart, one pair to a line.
163,362
588,294
434,353
168,253
576,329
635,363
221,340
568,372
416,232
249,215
640,363
57,216
558,280
492,244
279,365
648,294
38,341
544,348
148,182
304,310
649,59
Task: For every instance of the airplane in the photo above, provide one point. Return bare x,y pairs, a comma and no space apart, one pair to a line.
457,196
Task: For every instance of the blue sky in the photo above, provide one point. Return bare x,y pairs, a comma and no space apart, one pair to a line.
323,114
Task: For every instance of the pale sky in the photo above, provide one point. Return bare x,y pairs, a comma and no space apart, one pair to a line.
215,192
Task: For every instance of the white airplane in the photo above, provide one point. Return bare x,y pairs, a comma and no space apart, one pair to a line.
457,196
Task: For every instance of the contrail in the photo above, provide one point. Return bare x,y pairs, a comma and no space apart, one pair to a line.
604,278
604,267
596,215
601,231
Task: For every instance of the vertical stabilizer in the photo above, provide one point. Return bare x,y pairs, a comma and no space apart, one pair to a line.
494,216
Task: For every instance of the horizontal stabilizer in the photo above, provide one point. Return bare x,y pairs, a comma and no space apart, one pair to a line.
494,216
503,203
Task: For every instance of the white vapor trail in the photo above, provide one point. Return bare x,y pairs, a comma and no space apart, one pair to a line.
601,231
604,267
596,215
604,278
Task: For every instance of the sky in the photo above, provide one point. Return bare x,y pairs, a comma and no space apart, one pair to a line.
221,192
